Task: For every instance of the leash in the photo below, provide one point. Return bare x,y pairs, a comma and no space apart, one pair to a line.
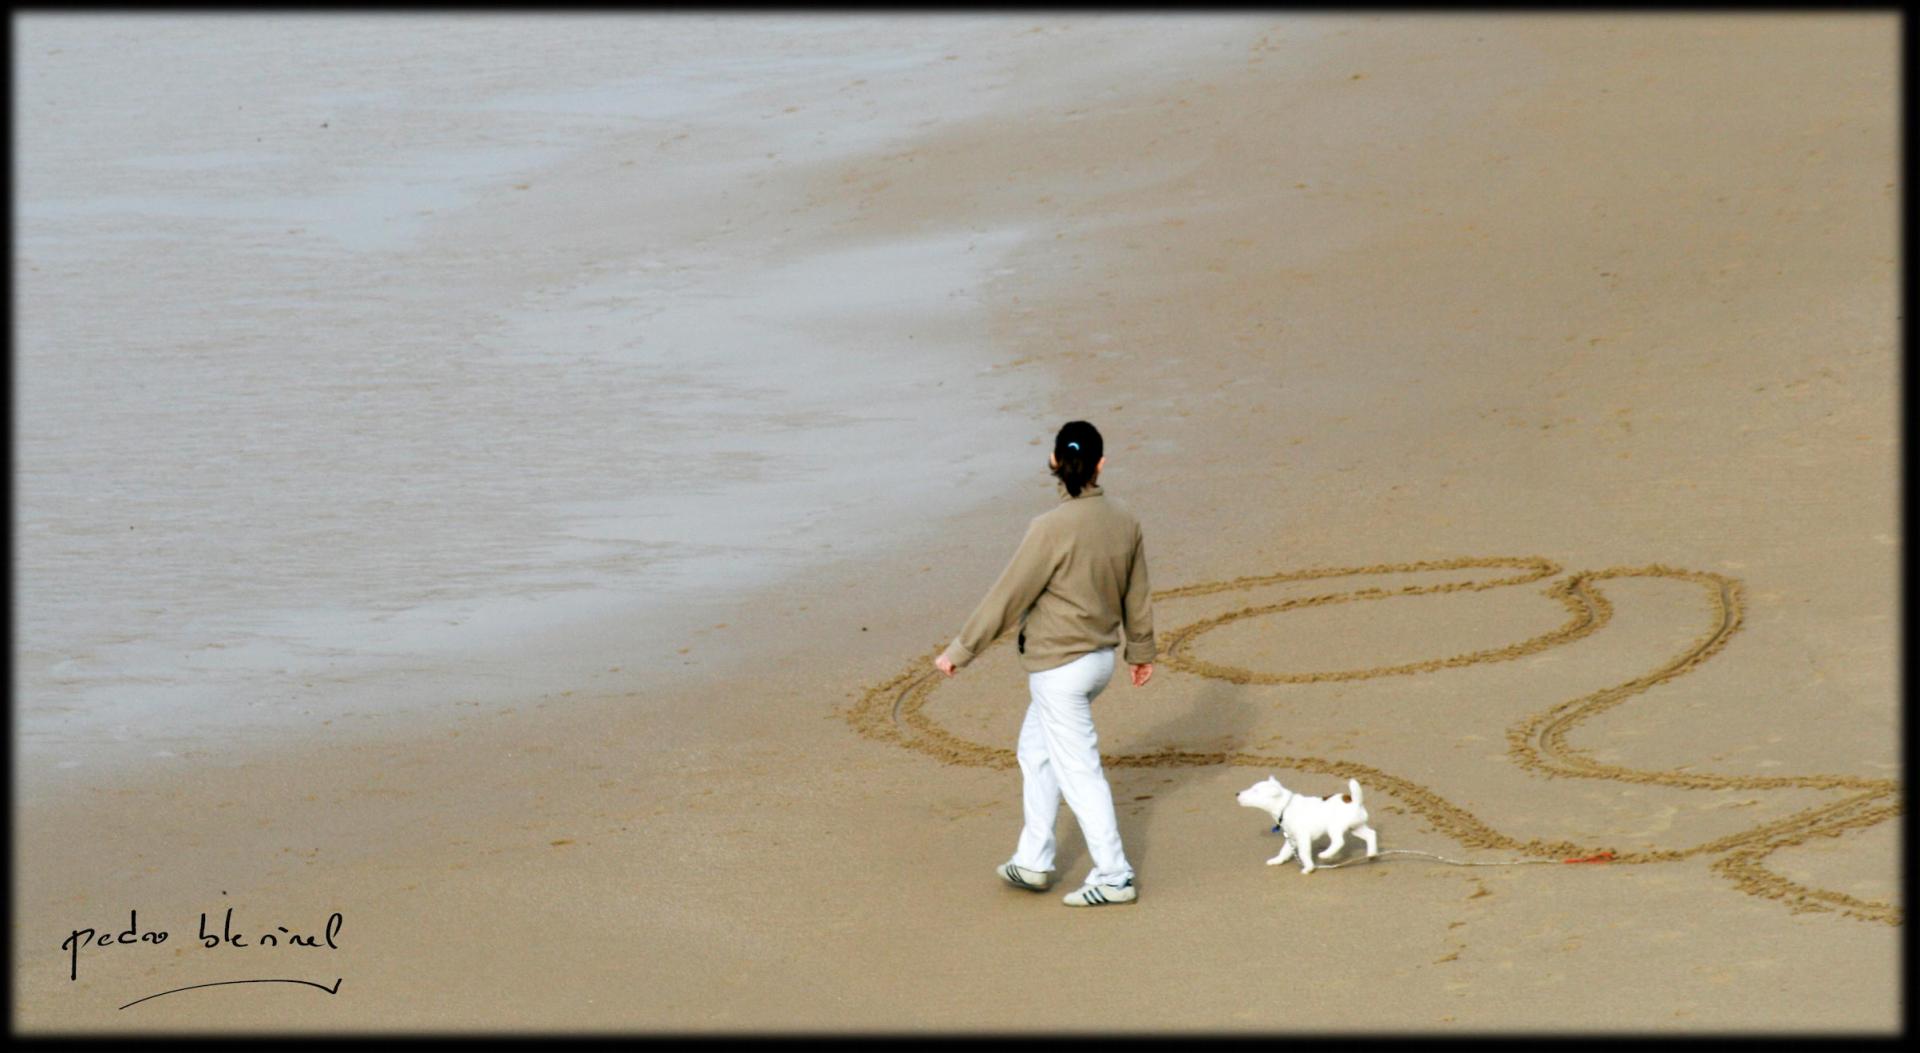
1602,857
905,691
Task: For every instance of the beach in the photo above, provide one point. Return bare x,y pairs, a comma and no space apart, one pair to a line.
522,524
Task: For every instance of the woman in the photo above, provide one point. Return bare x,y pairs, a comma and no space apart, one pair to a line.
1079,574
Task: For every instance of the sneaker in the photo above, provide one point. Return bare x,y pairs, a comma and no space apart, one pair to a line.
1100,895
1020,877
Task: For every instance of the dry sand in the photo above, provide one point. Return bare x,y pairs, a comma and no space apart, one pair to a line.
1509,402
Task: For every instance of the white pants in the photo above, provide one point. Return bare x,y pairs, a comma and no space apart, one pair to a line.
1058,756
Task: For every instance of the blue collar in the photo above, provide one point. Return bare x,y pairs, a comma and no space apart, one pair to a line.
1283,811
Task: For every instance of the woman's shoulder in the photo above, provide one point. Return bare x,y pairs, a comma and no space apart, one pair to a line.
1118,507
1103,507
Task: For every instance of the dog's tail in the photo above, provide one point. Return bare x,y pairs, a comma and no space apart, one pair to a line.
1353,785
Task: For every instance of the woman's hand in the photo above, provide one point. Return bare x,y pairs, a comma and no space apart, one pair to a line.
1141,674
944,664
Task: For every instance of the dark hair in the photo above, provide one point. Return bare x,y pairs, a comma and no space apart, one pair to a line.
1077,449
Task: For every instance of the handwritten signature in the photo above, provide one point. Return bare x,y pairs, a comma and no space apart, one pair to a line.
281,935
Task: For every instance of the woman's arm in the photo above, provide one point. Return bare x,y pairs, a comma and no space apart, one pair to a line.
1020,584
1137,613
1136,607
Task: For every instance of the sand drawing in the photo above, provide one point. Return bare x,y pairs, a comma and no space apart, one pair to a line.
1539,743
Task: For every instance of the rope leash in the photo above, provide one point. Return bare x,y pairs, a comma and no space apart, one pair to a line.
1602,857
905,691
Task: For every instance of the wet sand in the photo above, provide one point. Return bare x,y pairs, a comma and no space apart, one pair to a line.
1509,403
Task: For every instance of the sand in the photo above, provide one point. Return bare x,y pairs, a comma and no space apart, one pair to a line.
1509,403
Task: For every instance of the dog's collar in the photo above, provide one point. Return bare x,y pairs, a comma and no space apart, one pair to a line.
1292,796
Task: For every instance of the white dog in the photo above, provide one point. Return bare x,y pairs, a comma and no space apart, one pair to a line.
1303,819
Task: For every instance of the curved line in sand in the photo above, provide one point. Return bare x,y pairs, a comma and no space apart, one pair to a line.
893,712
1583,618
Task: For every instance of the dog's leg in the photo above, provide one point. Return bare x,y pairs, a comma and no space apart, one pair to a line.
1372,839
1306,856
1336,840
1286,853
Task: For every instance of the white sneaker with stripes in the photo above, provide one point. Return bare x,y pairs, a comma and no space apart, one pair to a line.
1020,877
1101,895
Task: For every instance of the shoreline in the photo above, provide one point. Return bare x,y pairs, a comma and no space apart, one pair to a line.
745,468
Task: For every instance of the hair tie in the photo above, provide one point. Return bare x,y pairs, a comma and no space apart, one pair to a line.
1074,445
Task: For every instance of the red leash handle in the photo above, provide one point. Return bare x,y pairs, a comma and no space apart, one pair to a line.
1603,857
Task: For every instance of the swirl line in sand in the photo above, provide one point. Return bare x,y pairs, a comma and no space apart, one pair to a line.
893,712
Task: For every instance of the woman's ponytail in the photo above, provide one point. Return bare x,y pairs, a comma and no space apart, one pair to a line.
1076,449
